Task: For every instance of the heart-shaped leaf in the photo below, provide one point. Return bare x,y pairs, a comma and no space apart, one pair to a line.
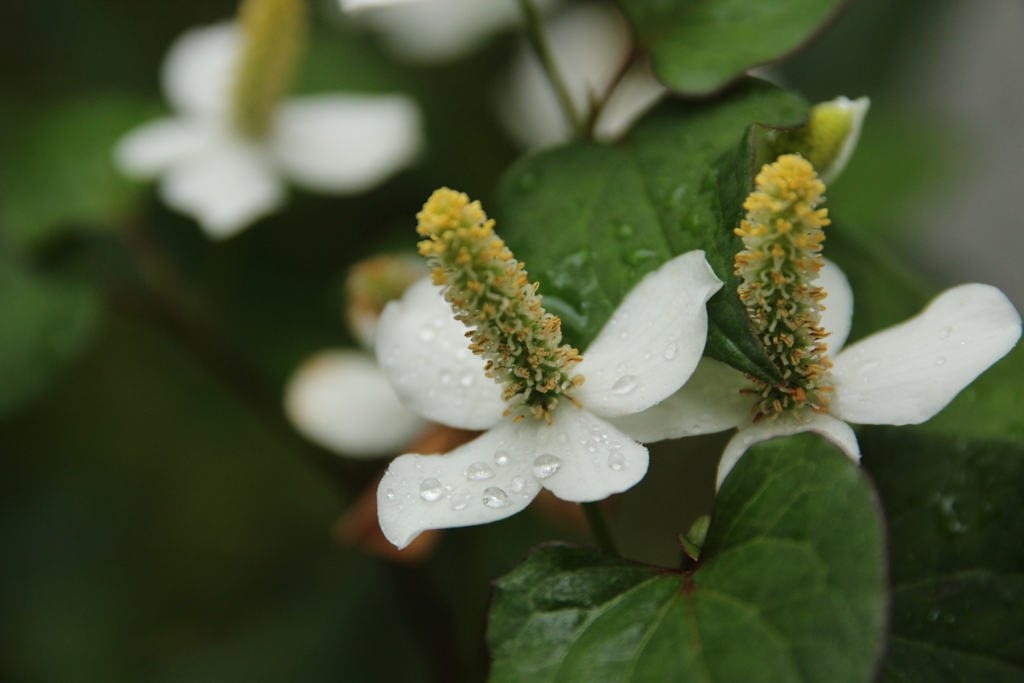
789,587
956,520
590,220
699,46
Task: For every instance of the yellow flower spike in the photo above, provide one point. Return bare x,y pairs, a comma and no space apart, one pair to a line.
274,32
783,221
487,288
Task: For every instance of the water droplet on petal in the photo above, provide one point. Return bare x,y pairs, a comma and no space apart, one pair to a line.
940,360
625,384
563,437
495,498
517,484
427,334
431,490
616,460
546,465
459,501
501,457
945,332
479,470
466,380
671,351
390,494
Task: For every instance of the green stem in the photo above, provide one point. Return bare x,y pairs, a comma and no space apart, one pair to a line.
542,46
599,527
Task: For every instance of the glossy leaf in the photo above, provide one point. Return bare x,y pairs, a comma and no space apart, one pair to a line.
956,520
590,220
792,574
700,46
43,324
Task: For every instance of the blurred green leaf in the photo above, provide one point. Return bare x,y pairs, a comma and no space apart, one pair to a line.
43,324
699,46
58,172
789,587
956,520
590,220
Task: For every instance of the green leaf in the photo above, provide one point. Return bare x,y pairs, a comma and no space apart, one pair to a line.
956,520
43,324
790,586
58,172
698,47
590,220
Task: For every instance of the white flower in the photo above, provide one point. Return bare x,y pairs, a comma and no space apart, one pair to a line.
590,45
339,398
344,143
643,354
435,31
902,375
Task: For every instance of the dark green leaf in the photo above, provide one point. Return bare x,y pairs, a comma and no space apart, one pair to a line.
956,520
699,46
590,220
42,325
789,587
58,171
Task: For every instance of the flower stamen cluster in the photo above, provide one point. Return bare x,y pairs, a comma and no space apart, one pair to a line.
274,33
489,290
782,233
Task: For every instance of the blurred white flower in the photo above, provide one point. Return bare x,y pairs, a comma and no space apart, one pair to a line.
339,398
643,354
902,375
590,44
334,143
435,31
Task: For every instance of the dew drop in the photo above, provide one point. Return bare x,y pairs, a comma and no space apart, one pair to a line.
624,231
671,351
546,465
431,490
479,470
495,498
427,334
945,332
466,380
501,457
390,494
459,501
940,360
616,460
517,484
625,384
647,355
446,377
562,437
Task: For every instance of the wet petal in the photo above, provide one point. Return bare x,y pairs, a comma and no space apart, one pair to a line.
838,314
226,187
582,458
483,481
908,373
200,67
150,149
346,143
788,424
342,400
652,343
709,402
424,351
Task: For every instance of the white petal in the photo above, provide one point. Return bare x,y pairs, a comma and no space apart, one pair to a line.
637,92
200,68
342,401
838,314
346,143
591,458
908,373
858,109
709,402
487,479
424,351
226,187
652,342
353,5
836,431
150,149
439,30
589,44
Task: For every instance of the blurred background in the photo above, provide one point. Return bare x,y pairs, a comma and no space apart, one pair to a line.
160,521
